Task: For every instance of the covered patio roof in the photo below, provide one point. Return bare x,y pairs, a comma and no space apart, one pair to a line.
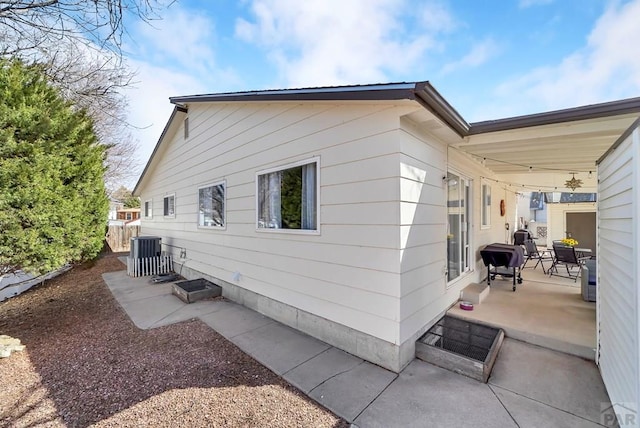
561,142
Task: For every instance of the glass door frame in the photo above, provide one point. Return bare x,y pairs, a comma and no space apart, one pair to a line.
459,230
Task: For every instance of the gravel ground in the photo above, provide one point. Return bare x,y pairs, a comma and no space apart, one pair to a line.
87,364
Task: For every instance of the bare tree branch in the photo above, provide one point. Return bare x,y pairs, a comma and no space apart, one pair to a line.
101,22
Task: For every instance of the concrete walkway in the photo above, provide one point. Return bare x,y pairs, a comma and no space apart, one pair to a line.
529,387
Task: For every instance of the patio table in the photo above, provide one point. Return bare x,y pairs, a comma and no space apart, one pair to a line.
583,252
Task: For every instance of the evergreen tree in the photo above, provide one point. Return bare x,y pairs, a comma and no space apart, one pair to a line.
53,204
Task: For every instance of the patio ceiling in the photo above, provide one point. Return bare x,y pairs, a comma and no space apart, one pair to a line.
560,148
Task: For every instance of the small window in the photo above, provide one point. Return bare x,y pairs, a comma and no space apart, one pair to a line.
211,205
170,206
148,209
128,216
288,198
186,128
486,206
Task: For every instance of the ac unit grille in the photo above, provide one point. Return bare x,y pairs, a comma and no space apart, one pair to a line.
143,247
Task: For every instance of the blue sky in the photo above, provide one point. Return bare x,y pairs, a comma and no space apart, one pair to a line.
490,59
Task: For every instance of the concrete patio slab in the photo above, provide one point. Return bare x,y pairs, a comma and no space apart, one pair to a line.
127,289
350,392
553,378
529,386
529,413
147,313
279,347
190,311
320,368
426,395
548,314
233,319
119,280
141,291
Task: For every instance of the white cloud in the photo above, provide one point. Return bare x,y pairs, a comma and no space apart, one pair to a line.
183,39
479,54
606,68
436,17
175,56
338,42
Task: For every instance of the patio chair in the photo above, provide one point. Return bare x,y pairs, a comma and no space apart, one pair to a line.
520,236
566,256
534,254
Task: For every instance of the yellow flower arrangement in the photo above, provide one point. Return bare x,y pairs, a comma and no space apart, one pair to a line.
569,242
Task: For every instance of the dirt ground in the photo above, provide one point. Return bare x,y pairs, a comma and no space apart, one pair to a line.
86,364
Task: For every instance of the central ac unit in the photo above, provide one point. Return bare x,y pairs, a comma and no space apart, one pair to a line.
143,247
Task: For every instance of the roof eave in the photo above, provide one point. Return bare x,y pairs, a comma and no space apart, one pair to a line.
177,109
594,111
422,92
380,92
431,99
620,140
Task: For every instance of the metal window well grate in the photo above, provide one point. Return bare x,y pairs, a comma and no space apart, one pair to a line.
196,289
461,346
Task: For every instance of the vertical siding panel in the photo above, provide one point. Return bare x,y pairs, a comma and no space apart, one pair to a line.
618,272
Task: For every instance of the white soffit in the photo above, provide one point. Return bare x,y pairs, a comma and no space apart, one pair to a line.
568,146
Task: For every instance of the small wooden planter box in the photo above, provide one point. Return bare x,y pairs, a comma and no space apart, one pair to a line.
196,289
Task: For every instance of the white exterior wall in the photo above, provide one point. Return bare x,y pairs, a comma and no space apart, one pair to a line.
349,273
378,264
619,272
425,293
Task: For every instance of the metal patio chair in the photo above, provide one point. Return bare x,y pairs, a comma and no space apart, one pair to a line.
567,257
534,254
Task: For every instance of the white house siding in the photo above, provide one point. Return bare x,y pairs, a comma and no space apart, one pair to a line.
425,295
619,272
350,272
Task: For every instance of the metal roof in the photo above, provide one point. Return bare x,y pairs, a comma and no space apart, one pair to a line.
379,91
574,137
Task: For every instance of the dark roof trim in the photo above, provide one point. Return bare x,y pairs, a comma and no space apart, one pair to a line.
613,108
436,104
422,92
176,110
623,137
389,91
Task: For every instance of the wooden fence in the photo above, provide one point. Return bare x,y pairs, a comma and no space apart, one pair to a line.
119,237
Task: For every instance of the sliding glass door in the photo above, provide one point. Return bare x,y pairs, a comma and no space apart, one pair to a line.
458,225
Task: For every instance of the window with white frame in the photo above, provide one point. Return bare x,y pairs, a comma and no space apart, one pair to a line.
458,225
211,205
169,206
486,206
148,209
287,198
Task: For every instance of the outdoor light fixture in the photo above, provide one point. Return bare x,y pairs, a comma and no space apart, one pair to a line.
574,183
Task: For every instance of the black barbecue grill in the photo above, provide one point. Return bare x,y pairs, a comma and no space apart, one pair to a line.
504,260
